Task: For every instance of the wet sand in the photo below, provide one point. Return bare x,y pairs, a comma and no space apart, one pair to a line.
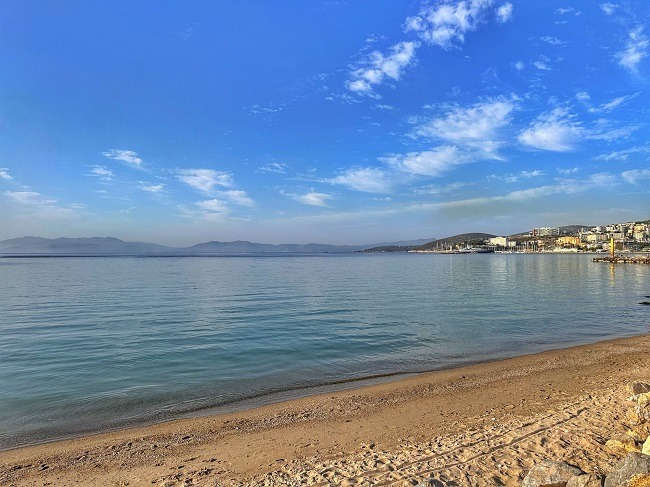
481,425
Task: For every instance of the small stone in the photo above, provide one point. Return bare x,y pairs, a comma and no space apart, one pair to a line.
622,444
634,464
635,388
645,449
549,473
585,481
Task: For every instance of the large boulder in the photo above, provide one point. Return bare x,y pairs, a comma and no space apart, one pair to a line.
550,473
633,465
642,408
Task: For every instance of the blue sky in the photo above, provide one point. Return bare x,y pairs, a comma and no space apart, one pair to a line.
320,121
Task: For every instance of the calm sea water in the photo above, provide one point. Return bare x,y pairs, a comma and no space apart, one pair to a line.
88,344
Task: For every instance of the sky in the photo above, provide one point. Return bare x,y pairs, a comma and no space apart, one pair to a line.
343,122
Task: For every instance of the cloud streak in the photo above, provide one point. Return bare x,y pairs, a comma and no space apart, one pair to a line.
128,156
204,180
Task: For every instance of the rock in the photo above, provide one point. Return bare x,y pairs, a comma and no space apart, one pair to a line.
639,481
549,473
642,408
585,481
645,449
622,444
635,388
634,464
432,483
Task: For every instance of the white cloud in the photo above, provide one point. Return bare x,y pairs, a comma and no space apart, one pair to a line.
29,198
514,178
609,106
476,126
383,106
635,50
274,168
37,206
553,131
438,190
366,179
152,188
102,173
567,10
4,173
427,163
622,155
583,96
128,156
445,24
636,175
531,174
553,41
213,206
237,196
519,66
504,12
572,170
542,66
378,67
312,199
608,7
204,179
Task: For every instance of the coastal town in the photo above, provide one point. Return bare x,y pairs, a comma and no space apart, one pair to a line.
626,237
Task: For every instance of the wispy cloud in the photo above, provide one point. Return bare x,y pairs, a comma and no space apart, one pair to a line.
514,178
556,131
204,179
274,168
611,105
35,203
636,175
128,156
312,198
504,12
378,67
623,155
553,41
446,24
237,197
366,179
635,50
567,10
427,163
102,172
4,173
609,8
213,206
152,188
542,66
476,126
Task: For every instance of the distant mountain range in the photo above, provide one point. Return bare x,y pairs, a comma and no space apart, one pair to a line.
115,246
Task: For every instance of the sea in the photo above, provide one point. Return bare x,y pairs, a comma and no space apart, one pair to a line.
90,344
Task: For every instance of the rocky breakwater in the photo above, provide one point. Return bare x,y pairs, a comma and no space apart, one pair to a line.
632,445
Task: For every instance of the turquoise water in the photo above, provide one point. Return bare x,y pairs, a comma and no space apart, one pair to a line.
88,344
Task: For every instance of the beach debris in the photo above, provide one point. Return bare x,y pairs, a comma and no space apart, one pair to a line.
635,388
586,480
633,466
550,473
622,443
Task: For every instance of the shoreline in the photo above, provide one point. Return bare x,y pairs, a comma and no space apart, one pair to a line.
289,395
282,440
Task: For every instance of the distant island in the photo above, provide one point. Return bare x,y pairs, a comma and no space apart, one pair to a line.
630,236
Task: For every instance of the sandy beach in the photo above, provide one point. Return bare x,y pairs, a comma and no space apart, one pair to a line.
484,424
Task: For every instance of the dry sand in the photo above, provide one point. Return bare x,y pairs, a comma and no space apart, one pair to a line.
479,425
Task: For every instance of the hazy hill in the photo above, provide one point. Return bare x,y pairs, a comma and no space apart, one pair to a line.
78,246
243,246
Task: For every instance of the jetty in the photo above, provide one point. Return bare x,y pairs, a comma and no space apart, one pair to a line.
619,259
